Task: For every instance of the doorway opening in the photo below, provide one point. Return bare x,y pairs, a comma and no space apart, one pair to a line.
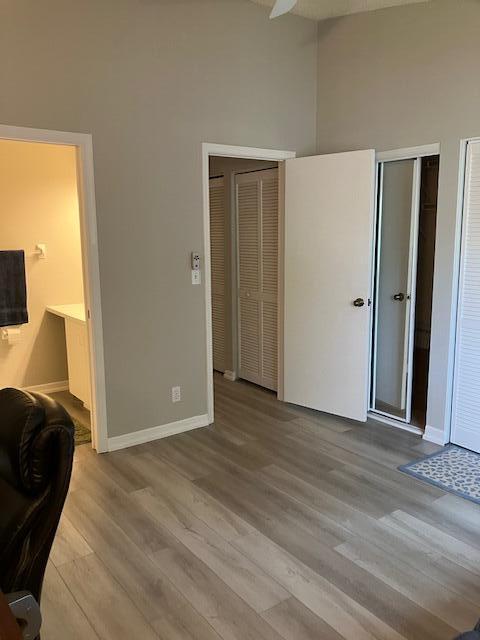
403,286
243,224
49,229
244,235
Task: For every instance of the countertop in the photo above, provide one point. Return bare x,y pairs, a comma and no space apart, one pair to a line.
69,311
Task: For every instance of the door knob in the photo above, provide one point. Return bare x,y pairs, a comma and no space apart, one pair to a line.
358,302
399,297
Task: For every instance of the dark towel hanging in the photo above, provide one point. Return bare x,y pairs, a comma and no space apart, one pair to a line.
13,289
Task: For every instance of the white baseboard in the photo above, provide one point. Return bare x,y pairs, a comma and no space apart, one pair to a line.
155,433
49,387
230,375
432,434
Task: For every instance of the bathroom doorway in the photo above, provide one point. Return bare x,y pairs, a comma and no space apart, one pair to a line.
47,214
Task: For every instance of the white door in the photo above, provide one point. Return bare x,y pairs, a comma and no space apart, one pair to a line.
466,394
217,252
329,212
257,247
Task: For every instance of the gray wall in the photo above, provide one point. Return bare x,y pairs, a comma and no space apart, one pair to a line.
402,77
152,80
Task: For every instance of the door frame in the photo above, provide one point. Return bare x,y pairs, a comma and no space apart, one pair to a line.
457,282
392,155
250,153
90,262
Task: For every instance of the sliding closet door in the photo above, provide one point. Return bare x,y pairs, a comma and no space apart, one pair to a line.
466,396
257,246
329,204
395,282
217,251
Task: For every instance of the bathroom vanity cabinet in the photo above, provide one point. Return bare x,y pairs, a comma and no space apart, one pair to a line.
76,334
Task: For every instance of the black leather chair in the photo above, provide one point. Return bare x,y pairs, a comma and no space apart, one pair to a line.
36,455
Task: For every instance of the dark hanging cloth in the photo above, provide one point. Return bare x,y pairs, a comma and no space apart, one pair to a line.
13,289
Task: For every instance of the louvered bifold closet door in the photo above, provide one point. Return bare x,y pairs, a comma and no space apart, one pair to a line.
217,252
466,396
257,233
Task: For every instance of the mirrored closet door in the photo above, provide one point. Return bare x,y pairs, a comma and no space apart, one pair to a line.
394,304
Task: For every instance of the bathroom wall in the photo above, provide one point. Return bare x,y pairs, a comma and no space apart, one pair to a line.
39,204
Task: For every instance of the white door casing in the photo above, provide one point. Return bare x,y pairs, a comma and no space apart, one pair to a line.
329,214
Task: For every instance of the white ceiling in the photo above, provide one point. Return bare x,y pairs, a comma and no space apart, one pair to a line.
321,9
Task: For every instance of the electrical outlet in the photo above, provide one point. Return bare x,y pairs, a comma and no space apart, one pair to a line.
176,394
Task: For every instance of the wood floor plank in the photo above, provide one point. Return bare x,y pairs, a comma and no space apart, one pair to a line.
174,487
352,519
295,457
453,516
413,584
61,613
107,606
227,613
249,460
141,578
293,621
264,506
112,465
244,577
120,506
344,457
364,587
343,614
69,544
189,457
416,529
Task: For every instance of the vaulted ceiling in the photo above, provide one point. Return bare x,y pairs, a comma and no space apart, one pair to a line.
321,9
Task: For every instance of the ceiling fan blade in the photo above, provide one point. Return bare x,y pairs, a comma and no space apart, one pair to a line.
281,7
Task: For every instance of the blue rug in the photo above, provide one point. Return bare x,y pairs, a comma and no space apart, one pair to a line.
453,469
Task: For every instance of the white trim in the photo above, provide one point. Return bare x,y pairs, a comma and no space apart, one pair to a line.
49,387
155,433
457,269
435,435
281,283
230,375
88,228
397,424
250,153
226,151
407,382
374,283
233,278
408,153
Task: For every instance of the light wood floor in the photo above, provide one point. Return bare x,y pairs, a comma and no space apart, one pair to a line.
277,522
